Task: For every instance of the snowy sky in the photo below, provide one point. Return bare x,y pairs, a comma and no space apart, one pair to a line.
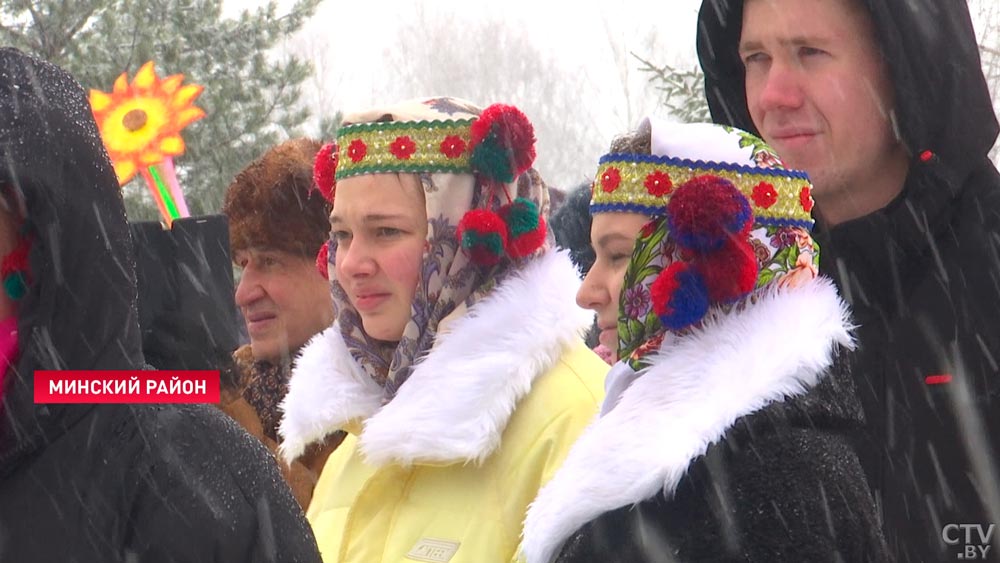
348,44
574,32
567,28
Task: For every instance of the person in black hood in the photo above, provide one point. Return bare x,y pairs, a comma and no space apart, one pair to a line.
107,483
884,104
570,224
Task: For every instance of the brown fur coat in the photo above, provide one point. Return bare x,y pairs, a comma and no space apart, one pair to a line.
253,403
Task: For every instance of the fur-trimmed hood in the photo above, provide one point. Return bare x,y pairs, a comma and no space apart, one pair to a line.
456,403
696,387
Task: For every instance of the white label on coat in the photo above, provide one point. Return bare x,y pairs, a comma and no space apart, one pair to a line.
433,550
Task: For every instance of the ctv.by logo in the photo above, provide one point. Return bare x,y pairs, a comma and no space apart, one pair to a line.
977,539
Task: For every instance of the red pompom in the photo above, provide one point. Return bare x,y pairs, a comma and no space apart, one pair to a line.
525,227
730,273
706,212
323,260
502,143
17,259
524,245
483,236
325,170
14,271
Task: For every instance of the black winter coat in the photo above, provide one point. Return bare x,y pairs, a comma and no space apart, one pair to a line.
732,446
108,483
922,276
783,485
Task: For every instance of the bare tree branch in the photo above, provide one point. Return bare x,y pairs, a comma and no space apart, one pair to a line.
42,32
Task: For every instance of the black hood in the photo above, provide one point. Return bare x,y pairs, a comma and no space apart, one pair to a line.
80,311
942,100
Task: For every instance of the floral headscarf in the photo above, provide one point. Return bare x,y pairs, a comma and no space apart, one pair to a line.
779,201
786,256
449,281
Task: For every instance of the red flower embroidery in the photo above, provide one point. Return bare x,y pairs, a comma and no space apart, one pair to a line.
403,147
805,198
452,146
357,150
658,183
764,195
611,179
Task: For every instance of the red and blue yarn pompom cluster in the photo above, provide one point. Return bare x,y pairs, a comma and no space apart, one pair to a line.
709,220
502,143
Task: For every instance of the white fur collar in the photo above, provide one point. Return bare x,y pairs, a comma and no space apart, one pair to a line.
456,403
696,387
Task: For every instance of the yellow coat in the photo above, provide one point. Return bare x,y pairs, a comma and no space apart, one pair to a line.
446,470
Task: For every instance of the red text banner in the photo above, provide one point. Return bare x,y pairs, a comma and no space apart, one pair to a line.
168,386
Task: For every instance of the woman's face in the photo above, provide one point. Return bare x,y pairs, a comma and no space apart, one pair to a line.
613,237
380,224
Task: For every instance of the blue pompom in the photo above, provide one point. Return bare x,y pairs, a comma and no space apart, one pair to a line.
679,295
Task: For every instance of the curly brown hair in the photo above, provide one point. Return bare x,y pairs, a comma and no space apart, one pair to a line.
636,142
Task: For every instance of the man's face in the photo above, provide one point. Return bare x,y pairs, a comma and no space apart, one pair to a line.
284,300
819,93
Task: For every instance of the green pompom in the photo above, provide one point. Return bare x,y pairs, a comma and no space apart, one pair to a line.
490,242
521,217
492,159
15,286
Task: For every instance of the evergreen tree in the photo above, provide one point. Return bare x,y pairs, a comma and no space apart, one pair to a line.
682,92
250,97
328,126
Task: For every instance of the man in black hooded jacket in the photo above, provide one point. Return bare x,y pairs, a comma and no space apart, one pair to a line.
884,103
108,483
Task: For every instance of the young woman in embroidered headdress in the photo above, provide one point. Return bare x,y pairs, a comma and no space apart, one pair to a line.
726,433
455,364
